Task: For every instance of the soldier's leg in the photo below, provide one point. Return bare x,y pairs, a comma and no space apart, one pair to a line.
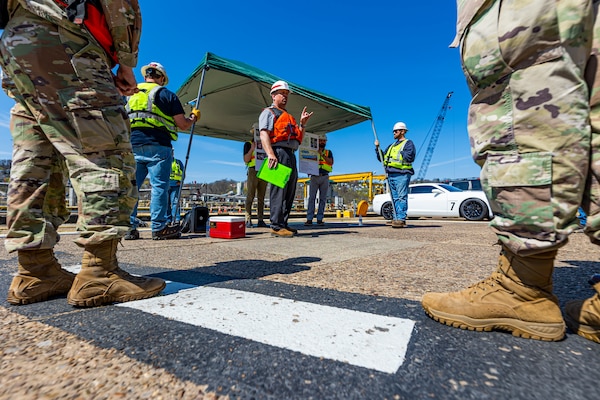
34,161
35,209
76,104
81,113
529,129
55,204
261,190
583,316
251,183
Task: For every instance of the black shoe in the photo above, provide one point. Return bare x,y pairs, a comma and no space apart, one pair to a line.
320,222
168,232
133,234
262,224
308,223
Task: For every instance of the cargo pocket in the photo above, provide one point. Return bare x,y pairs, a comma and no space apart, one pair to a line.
521,188
97,117
99,205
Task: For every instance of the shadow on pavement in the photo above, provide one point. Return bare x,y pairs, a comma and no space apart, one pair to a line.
243,269
572,282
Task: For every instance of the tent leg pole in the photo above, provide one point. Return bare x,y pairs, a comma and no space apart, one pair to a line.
387,178
189,148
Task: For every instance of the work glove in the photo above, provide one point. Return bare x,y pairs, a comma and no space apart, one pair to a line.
196,113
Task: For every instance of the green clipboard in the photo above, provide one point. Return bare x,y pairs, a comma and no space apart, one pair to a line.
277,176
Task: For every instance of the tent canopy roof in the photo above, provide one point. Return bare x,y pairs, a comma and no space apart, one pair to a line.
234,94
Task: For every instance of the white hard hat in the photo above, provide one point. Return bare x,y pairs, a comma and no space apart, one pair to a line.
159,68
400,125
280,85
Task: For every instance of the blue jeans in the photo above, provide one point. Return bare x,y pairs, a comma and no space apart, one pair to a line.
399,192
173,213
154,161
318,183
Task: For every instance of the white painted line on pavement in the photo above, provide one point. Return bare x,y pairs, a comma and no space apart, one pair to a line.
367,340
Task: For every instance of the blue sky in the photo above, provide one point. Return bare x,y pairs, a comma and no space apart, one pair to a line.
391,55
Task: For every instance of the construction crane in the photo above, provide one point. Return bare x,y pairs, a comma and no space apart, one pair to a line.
437,128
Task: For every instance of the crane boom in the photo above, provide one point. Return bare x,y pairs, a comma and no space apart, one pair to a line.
434,138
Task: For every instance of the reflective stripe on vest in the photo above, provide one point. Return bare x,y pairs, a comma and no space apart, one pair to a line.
176,171
393,156
285,127
143,113
323,164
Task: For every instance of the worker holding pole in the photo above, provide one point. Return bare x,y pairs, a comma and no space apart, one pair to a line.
397,160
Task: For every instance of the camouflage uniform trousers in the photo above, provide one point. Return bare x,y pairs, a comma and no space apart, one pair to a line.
256,188
62,81
48,204
534,120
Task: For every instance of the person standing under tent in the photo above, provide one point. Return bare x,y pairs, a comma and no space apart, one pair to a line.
319,183
256,187
397,160
280,137
175,185
156,116
57,66
534,128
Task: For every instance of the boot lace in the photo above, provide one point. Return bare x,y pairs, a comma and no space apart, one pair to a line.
484,285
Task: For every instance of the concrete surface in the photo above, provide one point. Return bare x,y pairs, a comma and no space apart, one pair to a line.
51,350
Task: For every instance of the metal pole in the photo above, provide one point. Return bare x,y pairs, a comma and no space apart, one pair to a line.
387,178
187,155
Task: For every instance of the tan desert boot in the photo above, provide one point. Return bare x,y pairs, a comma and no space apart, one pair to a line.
517,298
101,281
583,316
39,276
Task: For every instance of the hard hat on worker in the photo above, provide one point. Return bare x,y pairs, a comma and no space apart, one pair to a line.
280,85
153,68
400,125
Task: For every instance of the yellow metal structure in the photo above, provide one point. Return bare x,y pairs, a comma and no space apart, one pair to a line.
368,177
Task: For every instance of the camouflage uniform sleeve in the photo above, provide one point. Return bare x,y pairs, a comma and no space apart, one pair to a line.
124,21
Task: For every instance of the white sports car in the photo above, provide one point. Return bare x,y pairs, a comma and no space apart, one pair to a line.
438,200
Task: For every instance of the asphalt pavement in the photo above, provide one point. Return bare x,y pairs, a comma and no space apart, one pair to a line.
333,313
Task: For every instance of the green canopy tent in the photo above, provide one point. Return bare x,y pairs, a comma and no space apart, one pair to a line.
232,95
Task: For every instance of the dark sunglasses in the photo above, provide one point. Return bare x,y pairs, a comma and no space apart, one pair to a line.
153,72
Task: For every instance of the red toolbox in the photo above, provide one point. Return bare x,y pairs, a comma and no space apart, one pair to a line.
227,227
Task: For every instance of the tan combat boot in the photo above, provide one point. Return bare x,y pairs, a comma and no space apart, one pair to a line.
39,277
101,281
517,298
583,316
